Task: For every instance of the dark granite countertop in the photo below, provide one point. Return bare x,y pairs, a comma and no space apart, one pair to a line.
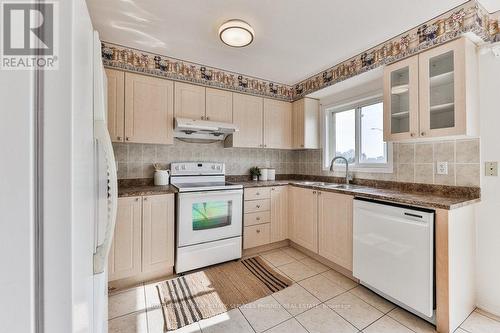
408,197
140,190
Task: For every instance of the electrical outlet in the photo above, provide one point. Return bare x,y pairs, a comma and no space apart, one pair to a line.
491,169
442,168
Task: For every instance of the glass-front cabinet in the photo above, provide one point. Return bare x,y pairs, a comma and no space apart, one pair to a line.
432,94
401,100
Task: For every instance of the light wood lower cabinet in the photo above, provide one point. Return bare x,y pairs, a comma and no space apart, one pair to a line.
149,109
279,213
335,228
304,211
157,232
125,254
143,241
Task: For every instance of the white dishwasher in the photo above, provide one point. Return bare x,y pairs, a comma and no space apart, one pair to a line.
393,254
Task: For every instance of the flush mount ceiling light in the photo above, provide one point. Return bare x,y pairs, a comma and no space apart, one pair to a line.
236,33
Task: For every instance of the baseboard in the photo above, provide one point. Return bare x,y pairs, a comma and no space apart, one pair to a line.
134,281
263,248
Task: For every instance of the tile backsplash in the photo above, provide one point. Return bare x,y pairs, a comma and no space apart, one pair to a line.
412,162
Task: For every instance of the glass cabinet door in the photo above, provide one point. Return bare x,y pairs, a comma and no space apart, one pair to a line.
401,100
442,89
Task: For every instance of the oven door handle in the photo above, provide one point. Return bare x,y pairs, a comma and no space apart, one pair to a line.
208,193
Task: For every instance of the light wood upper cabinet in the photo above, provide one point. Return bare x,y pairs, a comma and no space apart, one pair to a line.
305,124
116,104
125,254
335,228
432,94
448,89
277,124
247,115
157,232
189,101
219,105
279,213
401,100
304,217
148,109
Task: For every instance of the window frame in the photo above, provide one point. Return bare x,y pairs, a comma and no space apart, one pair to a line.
329,137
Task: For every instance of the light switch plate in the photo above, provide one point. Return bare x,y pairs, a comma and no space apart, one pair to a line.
491,169
442,168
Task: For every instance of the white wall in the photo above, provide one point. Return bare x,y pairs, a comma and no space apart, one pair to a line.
487,212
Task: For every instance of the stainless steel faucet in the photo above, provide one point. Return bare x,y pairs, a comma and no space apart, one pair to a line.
346,167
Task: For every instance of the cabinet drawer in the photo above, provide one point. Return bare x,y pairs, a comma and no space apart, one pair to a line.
257,206
257,193
256,235
256,218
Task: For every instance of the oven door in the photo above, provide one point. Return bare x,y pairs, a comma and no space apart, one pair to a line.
208,216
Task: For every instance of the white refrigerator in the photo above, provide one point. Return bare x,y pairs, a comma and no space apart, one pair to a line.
58,189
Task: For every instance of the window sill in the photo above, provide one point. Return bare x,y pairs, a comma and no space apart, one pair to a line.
367,169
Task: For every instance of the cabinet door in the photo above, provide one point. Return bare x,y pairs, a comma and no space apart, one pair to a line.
277,124
401,100
157,232
335,228
442,90
125,257
219,105
116,104
189,101
304,218
148,109
305,124
298,124
247,115
279,213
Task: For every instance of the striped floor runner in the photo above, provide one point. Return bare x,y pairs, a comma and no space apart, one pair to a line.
190,298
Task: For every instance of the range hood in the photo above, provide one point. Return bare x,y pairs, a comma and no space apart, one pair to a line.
202,129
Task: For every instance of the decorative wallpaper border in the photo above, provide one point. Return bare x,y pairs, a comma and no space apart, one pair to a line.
133,60
470,17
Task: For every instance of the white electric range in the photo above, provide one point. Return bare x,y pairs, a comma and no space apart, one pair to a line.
209,215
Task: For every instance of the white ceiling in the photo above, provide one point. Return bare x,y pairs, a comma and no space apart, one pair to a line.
294,38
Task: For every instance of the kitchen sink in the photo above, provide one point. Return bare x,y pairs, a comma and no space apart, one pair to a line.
309,183
341,186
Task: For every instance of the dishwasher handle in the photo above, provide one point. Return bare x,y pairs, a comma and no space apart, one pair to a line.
413,215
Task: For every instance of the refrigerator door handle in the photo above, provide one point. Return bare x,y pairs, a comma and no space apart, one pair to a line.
102,250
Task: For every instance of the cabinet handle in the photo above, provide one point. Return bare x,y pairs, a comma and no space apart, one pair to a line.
258,231
119,138
257,193
423,133
127,138
319,193
145,198
302,146
314,192
136,199
258,206
207,118
412,134
272,189
257,218
265,145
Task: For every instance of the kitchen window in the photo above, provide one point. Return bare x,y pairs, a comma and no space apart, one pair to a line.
355,131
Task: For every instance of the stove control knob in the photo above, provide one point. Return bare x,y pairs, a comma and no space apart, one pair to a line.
218,167
176,167
183,167
213,167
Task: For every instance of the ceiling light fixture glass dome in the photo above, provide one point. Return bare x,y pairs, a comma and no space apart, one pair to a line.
236,33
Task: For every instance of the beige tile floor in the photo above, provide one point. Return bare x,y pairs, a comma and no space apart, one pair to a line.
320,300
